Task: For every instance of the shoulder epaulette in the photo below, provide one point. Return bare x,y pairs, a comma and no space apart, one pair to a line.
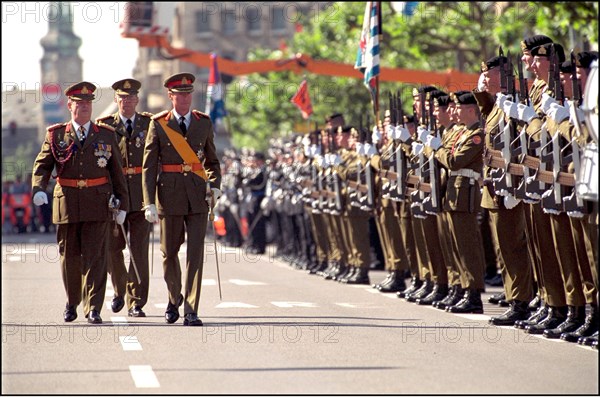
108,127
101,119
199,114
147,114
55,126
161,114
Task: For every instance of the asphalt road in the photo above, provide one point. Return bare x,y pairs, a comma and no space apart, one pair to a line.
277,330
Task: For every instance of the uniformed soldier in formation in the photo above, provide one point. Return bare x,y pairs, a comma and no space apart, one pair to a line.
255,185
131,128
90,183
181,179
229,205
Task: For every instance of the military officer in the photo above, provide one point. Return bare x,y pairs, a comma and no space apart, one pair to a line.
464,161
131,129
180,144
88,173
256,183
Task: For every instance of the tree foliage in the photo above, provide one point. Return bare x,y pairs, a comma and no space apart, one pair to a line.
438,36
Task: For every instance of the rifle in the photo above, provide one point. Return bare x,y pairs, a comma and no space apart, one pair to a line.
523,87
418,196
399,154
432,203
387,157
368,202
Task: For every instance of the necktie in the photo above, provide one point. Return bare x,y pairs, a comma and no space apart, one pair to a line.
182,125
82,135
129,127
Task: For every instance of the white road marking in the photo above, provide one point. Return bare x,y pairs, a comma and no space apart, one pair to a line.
209,281
391,295
372,290
130,343
143,376
109,292
294,304
541,336
359,305
14,258
120,319
245,282
476,317
160,305
227,305
361,286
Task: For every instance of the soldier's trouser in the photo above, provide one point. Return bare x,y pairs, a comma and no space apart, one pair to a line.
340,236
586,268
124,277
334,251
358,243
467,237
508,229
571,271
320,236
437,266
449,252
82,247
422,254
549,267
590,232
395,250
172,235
408,239
532,250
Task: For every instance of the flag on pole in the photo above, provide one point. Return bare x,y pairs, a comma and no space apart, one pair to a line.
367,57
302,100
215,107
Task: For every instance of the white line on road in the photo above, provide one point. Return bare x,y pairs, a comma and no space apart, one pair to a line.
209,281
109,292
294,304
245,282
357,305
143,376
130,343
119,320
476,317
227,305
14,258
160,305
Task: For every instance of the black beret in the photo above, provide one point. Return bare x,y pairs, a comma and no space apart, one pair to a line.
566,66
493,63
465,99
585,58
334,116
423,89
456,94
546,49
442,101
435,94
534,41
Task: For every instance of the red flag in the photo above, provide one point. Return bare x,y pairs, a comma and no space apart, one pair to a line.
302,100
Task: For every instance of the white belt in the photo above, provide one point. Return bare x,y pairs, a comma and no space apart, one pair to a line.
466,172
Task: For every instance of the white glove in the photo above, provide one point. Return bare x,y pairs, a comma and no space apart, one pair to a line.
336,160
433,142
501,98
557,112
580,115
417,148
306,140
360,149
376,135
151,214
526,113
547,101
370,150
389,130
510,202
402,133
120,218
216,195
40,198
510,109
320,160
422,133
307,150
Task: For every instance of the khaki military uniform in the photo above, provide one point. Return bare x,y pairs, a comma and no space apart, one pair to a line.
464,160
123,277
180,198
82,213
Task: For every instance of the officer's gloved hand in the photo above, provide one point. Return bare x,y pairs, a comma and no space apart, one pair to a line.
500,98
547,101
402,133
360,149
526,113
557,112
422,133
417,148
40,198
434,142
120,218
151,214
376,136
510,202
510,109
216,195
370,150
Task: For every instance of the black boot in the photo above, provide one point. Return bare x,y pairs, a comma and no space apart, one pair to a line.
388,279
319,268
360,277
422,292
518,311
328,274
575,319
496,298
535,303
535,318
344,279
555,316
588,340
339,272
470,303
456,293
438,293
397,284
589,327
415,284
